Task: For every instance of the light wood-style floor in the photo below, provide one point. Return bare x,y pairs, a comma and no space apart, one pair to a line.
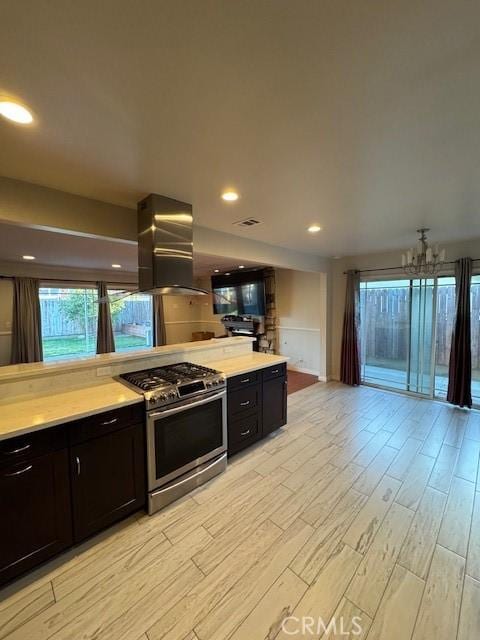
363,509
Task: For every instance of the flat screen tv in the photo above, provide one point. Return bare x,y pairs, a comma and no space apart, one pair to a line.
239,294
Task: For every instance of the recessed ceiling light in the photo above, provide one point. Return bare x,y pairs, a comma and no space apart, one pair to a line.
28,257
241,266
227,274
15,112
230,196
217,270
117,266
314,228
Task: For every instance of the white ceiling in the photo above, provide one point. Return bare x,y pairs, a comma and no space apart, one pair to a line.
55,249
361,116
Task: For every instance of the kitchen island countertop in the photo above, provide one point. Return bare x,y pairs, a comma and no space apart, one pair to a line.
25,415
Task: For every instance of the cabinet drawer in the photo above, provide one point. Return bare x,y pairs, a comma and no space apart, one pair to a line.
243,400
32,445
102,423
237,382
243,429
275,371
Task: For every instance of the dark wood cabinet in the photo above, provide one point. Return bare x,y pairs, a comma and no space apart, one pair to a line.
257,405
35,510
108,479
274,405
63,484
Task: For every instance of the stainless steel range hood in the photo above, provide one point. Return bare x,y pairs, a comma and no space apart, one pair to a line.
165,247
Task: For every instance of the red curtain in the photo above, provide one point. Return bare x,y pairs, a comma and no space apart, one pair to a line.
460,365
350,359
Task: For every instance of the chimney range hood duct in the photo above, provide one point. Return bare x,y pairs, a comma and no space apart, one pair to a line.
165,247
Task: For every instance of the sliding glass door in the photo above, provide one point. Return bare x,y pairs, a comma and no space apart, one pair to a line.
397,334
475,324
385,332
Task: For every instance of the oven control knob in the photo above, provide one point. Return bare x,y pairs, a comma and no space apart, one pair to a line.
172,394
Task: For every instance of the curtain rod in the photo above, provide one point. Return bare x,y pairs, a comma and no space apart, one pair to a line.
397,268
77,280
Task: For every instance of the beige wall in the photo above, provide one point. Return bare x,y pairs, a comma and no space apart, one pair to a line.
302,319
186,314
375,261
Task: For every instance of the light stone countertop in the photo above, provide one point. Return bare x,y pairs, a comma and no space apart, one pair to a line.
32,414
246,363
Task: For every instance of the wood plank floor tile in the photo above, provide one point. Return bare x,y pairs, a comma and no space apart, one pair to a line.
455,527
407,454
242,598
444,467
469,626
16,611
324,595
372,448
177,621
399,607
473,426
297,502
310,470
417,551
266,619
124,613
365,526
239,529
415,481
440,607
373,574
325,539
371,476
467,462
473,555
348,621
151,564
321,507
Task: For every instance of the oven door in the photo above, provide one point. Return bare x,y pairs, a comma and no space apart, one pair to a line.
184,437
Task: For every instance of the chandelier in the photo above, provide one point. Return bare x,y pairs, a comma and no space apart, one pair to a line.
423,260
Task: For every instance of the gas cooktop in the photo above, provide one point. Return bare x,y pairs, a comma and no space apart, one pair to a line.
164,385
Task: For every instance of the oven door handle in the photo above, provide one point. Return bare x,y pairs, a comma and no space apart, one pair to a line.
183,407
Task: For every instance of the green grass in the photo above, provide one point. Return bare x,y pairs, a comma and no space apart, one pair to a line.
78,346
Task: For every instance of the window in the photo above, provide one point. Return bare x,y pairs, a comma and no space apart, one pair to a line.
70,315
132,320
69,322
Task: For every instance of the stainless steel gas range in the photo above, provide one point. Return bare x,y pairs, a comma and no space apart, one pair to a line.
186,428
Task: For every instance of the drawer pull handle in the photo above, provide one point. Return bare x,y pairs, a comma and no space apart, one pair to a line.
79,466
274,370
19,450
245,380
245,404
245,433
107,422
19,473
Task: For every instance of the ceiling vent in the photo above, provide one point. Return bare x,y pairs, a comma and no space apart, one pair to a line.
248,222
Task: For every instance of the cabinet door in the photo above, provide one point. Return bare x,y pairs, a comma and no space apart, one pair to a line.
274,404
35,511
108,479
